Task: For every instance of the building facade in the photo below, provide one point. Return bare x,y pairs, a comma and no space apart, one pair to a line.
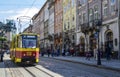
46,23
97,16
86,24
110,27
58,28
51,24
69,23
41,23
36,25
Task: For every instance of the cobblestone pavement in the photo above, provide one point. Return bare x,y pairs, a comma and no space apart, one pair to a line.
70,69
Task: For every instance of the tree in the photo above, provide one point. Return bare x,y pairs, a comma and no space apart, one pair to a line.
6,27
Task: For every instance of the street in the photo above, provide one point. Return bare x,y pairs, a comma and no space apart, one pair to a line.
60,38
49,67
68,69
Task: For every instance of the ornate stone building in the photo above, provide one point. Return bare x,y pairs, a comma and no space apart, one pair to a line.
58,23
69,23
97,20
51,24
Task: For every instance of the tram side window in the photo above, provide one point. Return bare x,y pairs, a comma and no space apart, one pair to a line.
14,43
19,42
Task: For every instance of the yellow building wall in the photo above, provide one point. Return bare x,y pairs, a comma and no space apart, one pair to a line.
68,14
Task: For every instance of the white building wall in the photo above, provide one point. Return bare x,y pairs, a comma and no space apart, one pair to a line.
114,28
51,24
46,12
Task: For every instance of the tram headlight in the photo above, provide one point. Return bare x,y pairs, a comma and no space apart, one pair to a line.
34,54
24,54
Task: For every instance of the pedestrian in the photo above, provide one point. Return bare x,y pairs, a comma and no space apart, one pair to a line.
95,52
72,51
42,52
48,52
1,56
53,52
58,51
108,51
88,55
63,52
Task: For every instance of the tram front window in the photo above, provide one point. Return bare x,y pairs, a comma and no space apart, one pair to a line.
29,43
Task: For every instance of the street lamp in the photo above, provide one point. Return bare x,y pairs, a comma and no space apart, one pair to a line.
98,54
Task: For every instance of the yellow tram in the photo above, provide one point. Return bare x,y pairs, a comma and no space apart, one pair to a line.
25,48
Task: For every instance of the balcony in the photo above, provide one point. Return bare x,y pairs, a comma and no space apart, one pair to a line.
94,23
91,25
84,27
97,22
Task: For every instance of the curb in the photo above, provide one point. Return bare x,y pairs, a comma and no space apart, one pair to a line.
98,66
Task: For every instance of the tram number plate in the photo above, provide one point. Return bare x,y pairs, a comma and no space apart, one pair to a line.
28,53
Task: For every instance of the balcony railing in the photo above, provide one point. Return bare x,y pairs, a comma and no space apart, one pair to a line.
92,25
84,27
98,22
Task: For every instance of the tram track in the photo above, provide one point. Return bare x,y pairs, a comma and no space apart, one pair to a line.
14,70
37,72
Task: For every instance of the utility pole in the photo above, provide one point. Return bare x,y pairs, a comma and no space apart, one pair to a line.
119,27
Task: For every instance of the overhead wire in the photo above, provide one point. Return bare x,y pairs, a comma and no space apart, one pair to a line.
28,12
30,7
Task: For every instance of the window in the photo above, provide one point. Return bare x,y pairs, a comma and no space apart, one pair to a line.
90,1
84,17
91,14
73,18
68,25
73,2
64,9
105,8
64,26
69,5
96,12
80,19
82,2
29,41
112,6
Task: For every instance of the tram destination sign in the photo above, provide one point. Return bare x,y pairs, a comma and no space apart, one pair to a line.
29,36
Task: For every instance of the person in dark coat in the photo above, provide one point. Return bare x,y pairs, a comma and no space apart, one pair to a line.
72,51
48,52
88,55
1,56
108,51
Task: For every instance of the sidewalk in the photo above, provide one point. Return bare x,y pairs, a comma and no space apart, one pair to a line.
111,64
2,69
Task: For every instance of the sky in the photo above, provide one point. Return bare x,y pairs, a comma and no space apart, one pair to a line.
13,9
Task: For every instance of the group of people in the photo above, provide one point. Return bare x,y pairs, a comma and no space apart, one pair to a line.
108,52
58,51
71,51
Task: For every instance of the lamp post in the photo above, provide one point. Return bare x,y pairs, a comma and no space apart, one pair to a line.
98,54
119,27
